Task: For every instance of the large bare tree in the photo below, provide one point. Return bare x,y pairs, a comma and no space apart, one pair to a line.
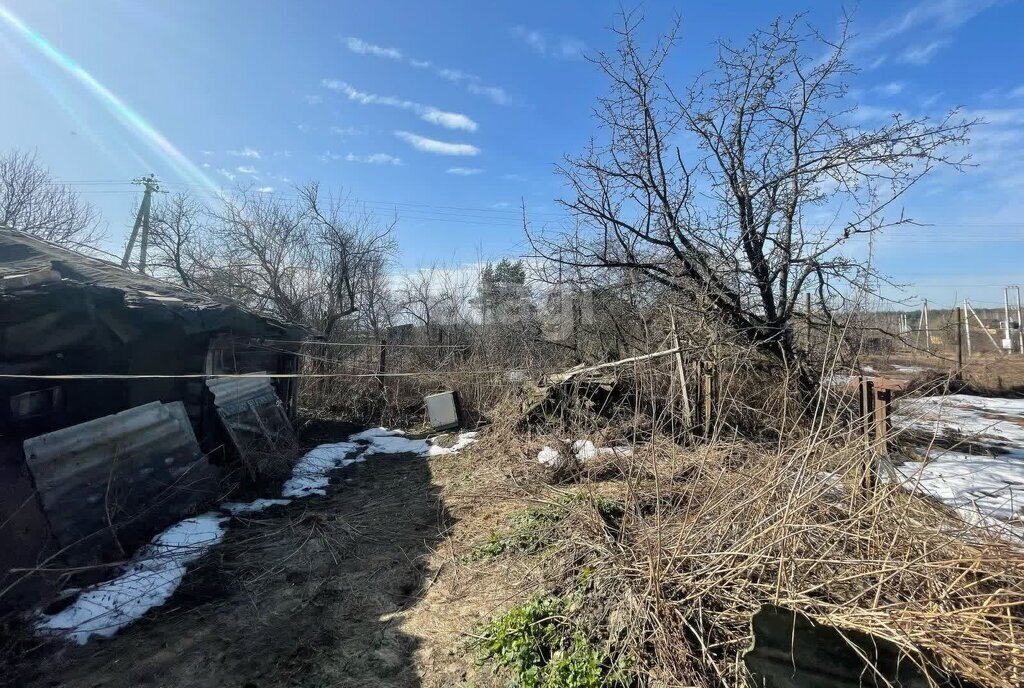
33,201
743,190
318,260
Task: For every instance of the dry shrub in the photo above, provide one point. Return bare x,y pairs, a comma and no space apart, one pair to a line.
705,536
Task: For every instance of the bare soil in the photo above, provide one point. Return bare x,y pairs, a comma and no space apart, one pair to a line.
368,586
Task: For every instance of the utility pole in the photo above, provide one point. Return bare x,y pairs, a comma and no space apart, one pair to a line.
927,332
150,184
967,329
1020,323
959,344
1007,342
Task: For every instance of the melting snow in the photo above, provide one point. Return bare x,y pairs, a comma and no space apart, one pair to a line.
384,441
147,583
252,507
984,489
160,566
309,476
584,451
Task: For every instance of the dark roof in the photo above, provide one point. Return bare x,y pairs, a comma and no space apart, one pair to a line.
27,262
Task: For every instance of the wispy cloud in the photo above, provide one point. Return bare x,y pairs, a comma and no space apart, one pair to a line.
246,152
890,89
434,146
374,159
471,82
497,94
345,131
544,43
1017,92
314,99
428,113
227,175
464,171
931,15
265,189
245,169
922,54
930,22
358,45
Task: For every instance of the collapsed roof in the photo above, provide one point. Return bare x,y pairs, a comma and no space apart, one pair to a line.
28,264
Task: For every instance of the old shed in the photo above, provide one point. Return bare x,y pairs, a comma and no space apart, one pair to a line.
113,420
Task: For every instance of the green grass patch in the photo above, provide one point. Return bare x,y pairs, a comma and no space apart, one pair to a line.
543,648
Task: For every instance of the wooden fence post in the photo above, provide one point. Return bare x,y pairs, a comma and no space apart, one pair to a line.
687,416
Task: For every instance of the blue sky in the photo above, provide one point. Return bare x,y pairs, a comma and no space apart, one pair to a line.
452,114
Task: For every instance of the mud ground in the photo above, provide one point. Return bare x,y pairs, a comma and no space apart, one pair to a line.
309,594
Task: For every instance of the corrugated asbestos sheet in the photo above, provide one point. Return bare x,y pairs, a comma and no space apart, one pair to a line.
121,477
255,419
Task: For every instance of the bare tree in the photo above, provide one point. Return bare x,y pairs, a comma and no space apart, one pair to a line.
744,189
180,241
322,262
33,201
351,254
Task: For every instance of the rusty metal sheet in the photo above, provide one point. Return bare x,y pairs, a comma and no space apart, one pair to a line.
254,418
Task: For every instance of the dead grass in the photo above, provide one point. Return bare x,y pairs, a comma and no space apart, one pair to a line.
701,537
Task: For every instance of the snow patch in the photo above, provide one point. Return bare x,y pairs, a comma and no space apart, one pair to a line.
986,490
255,506
584,450
160,566
384,441
310,477
148,582
1000,421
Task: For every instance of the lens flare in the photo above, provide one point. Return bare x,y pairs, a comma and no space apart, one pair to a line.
117,107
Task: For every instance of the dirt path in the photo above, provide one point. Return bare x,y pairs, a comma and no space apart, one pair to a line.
310,594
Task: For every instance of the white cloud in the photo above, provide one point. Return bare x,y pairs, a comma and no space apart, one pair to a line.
933,15
570,48
1017,92
246,152
543,43
501,205
227,175
303,128
358,45
283,154
922,54
206,165
434,146
449,120
428,113
314,99
497,94
890,89
207,152
374,159
464,171
265,189
473,83
245,169
345,131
